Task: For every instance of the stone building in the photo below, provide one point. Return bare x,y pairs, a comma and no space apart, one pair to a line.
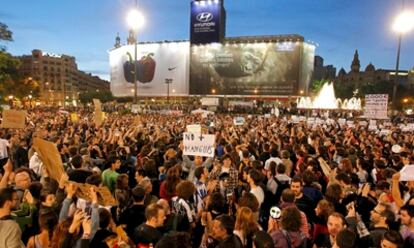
58,77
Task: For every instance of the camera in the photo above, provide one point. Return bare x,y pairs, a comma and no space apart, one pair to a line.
275,212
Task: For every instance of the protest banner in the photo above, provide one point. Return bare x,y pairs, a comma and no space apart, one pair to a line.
50,157
199,144
195,128
14,119
376,106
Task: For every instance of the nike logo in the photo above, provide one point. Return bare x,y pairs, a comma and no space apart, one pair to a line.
171,68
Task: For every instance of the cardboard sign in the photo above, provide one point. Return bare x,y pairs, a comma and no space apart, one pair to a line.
239,121
407,173
14,119
195,128
74,117
97,104
199,144
105,198
99,117
50,157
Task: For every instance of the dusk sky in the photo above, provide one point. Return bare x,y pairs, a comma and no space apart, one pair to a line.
86,29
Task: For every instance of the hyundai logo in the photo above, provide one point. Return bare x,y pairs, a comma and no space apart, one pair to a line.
204,17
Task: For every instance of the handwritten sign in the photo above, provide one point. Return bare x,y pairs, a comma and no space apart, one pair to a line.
376,106
195,128
14,119
50,157
199,144
407,173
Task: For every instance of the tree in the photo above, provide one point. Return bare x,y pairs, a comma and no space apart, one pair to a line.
11,83
317,85
102,95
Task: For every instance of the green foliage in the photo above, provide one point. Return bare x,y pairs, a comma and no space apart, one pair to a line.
317,85
103,96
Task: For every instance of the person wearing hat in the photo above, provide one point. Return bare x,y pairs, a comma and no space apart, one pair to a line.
135,214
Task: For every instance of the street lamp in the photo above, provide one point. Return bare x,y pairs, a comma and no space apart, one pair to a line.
404,23
135,21
168,81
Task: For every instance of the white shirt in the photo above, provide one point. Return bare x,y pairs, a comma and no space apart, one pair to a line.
276,160
3,148
36,164
258,192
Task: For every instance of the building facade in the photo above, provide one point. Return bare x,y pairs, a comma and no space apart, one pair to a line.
372,75
322,72
58,77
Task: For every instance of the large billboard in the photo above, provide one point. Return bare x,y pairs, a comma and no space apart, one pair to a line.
207,21
156,62
247,69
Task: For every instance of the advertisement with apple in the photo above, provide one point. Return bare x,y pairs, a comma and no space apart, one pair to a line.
155,64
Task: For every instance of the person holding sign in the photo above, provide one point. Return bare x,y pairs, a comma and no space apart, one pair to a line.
224,176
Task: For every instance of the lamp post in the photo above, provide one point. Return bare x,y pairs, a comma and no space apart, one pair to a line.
135,20
168,81
404,23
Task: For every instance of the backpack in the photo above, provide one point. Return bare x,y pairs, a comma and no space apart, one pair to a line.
281,185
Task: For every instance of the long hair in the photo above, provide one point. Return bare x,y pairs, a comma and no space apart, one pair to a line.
246,222
61,232
172,180
48,221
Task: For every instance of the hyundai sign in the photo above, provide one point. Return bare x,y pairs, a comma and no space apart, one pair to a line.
207,21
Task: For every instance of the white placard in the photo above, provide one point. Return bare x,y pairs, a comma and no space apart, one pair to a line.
384,132
376,106
135,108
238,121
199,144
341,121
209,101
195,128
407,173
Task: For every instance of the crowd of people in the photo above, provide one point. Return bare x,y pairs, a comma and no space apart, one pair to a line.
273,182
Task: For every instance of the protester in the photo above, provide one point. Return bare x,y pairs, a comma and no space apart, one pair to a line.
333,181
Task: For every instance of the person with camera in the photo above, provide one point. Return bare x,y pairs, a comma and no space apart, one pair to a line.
285,229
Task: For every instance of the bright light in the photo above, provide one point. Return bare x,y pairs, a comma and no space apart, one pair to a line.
405,100
404,22
30,96
255,91
152,100
213,91
173,90
10,97
301,92
135,19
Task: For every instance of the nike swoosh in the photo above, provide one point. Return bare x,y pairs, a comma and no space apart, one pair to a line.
171,68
